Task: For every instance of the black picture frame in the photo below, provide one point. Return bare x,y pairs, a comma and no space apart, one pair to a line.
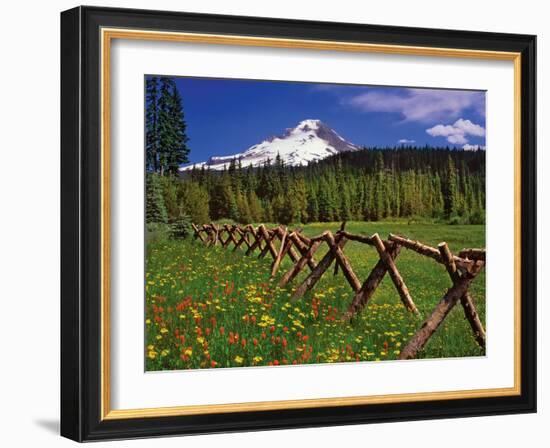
81,224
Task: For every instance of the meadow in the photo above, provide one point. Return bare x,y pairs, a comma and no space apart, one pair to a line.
209,307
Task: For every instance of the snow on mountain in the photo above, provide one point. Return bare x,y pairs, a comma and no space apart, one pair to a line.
310,140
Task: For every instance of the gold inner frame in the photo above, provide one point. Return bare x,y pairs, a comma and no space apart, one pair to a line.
107,35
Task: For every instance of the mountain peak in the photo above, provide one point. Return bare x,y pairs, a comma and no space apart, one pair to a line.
311,140
309,125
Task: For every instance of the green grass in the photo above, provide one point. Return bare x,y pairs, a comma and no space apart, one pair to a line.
212,307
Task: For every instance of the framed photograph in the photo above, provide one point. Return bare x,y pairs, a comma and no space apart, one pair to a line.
276,224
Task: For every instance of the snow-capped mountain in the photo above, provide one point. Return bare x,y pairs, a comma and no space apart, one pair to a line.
309,141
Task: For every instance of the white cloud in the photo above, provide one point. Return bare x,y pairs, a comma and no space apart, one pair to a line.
458,132
457,139
468,147
423,105
405,141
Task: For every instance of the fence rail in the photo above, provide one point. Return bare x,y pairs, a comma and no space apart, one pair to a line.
280,242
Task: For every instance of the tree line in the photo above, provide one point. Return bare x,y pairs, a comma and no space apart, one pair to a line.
371,184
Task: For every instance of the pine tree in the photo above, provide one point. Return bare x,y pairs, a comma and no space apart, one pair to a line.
194,200
450,195
155,209
152,140
172,138
178,151
312,205
255,207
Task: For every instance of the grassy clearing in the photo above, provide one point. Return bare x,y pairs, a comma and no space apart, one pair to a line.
212,307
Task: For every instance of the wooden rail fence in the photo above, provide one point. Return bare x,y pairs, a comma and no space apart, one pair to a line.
281,242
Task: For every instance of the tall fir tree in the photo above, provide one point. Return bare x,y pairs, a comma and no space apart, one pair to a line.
168,135
450,194
152,139
155,209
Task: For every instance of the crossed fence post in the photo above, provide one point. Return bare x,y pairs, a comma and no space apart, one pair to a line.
462,269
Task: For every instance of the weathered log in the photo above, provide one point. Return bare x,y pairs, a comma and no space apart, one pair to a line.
363,296
243,239
195,229
257,242
317,273
342,228
216,234
291,251
304,239
466,300
432,323
197,234
472,254
303,249
360,238
227,240
343,261
269,247
431,252
300,264
230,230
397,280
285,246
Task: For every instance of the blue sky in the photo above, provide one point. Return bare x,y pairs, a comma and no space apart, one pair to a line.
227,116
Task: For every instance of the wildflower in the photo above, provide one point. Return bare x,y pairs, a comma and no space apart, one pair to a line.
238,359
